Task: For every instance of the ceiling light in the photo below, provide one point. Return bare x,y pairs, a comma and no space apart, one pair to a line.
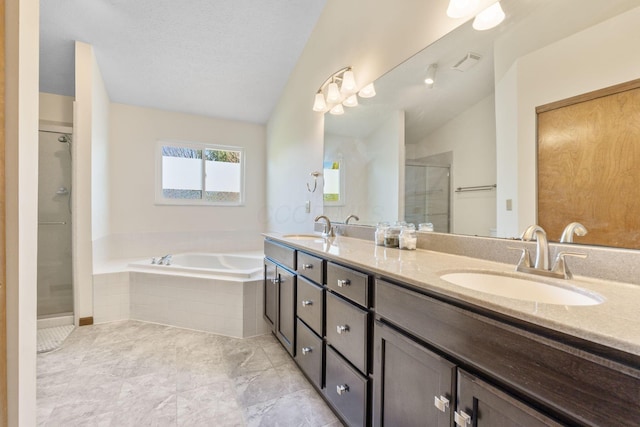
333,93
351,101
489,18
348,83
319,104
337,110
462,8
340,90
430,79
368,91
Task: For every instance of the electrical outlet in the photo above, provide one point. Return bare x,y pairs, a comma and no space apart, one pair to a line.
509,204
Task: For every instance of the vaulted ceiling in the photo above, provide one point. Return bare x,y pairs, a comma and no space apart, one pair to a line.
220,58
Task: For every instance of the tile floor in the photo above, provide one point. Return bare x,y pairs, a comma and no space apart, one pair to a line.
133,373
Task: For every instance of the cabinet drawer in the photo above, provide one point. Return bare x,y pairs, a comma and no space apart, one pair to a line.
347,330
281,254
346,389
311,267
309,353
310,304
349,283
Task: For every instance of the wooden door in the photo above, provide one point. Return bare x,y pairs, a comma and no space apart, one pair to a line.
409,381
589,166
3,277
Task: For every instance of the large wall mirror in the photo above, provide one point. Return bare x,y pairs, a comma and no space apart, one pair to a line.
461,154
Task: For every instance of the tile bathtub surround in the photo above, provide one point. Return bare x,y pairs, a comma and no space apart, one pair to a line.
134,373
110,297
225,307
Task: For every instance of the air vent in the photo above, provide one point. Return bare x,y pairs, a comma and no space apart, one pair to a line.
469,60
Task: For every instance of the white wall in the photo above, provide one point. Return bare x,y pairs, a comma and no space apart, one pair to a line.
471,136
373,166
90,138
56,109
21,161
138,227
372,38
595,58
385,170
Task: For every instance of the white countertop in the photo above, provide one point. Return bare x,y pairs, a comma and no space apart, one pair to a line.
614,323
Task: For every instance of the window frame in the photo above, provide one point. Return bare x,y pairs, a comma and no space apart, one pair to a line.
159,197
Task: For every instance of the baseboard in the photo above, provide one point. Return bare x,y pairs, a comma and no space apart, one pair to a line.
85,321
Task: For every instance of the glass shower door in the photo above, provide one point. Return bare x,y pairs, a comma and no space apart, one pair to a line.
55,289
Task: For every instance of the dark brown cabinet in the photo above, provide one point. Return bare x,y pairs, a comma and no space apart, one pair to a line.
413,385
406,355
270,294
280,293
483,405
286,313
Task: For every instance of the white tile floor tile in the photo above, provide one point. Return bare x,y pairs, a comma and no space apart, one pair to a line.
133,373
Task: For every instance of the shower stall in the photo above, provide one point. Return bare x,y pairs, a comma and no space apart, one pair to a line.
427,195
55,268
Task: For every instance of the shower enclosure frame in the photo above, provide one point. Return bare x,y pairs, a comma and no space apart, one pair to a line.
69,130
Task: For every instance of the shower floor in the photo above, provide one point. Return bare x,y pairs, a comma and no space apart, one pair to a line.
51,338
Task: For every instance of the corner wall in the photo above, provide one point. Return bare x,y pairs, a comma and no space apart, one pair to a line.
21,122
90,179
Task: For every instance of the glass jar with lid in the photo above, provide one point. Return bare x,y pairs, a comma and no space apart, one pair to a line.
392,236
379,234
408,238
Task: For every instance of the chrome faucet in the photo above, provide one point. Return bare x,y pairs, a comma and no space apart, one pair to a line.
541,265
165,260
571,229
328,229
542,245
346,221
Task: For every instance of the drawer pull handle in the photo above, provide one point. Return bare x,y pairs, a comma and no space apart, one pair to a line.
306,350
341,329
343,282
306,303
462,419
307,266
342,389
442,403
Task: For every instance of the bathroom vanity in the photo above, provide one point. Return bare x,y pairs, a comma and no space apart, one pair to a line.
388,342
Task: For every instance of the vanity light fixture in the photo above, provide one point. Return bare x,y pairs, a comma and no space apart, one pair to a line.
430,79
488,13
489,18
340,90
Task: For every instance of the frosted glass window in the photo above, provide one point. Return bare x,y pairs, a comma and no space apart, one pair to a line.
192,173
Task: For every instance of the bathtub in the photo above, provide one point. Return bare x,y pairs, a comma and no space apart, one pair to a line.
240,265
217,293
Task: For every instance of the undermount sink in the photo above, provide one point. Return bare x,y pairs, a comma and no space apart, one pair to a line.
521,288
302,236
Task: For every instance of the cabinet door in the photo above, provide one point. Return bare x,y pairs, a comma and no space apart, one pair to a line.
481,404
270,293
286,309
413,386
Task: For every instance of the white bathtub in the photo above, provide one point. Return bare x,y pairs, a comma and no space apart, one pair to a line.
218,293
242,265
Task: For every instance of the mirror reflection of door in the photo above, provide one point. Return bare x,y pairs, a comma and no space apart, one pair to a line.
588,151
427,193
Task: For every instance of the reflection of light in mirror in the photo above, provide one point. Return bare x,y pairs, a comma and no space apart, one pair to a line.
351,101
489,18
337,110
368,91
